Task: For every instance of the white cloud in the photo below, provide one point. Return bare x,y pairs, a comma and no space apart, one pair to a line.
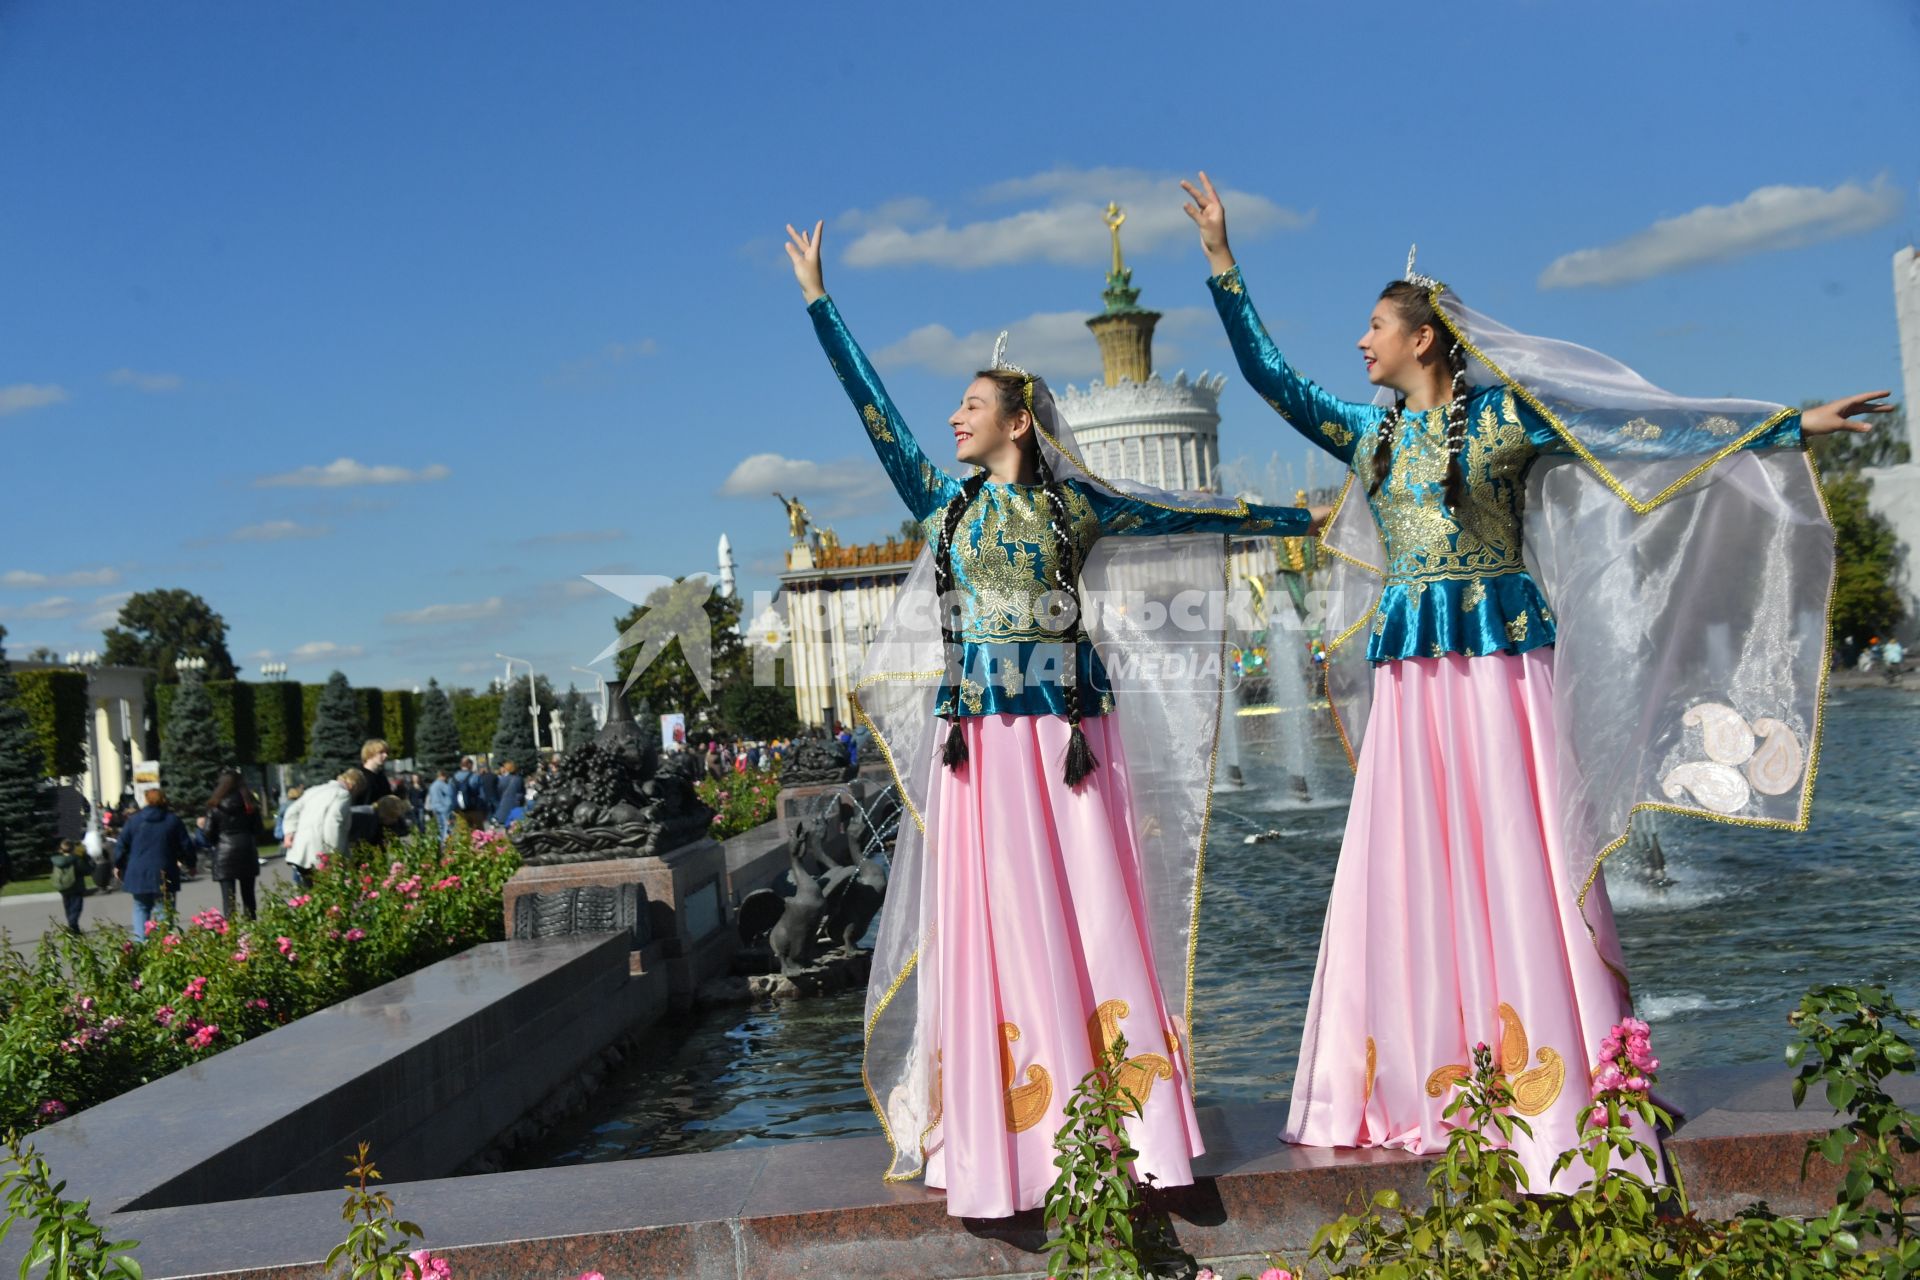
106,610
1769,219
1055,344
342,472
101,577
491,607
611,356
150,382
21,396
324,651
277,531
849,486
1066,227
99,613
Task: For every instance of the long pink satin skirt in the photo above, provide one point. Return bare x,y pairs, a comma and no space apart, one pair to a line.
1041,948
1454,920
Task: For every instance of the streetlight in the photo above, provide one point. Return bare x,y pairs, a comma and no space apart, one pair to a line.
533,697
195,665
274,670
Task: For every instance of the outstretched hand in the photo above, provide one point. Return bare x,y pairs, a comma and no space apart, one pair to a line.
804,249
1210,215
1837,415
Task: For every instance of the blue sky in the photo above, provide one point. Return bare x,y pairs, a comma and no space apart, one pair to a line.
379,325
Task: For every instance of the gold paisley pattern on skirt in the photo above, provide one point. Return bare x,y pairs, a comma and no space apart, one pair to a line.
1533,1091
1027,1103
1137,1073
1373,1063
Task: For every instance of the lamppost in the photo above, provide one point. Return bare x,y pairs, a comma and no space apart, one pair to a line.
600,682
274,670
533,696
195,665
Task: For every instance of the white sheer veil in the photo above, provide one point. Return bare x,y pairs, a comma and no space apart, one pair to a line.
1691,579
1155,610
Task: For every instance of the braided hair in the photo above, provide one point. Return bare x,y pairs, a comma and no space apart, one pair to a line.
1016,393
1415,306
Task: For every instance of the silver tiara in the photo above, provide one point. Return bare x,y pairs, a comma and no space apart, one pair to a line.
1000,360
1414,277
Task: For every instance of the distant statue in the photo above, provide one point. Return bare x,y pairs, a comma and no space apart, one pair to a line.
1115,219
797,519
829,540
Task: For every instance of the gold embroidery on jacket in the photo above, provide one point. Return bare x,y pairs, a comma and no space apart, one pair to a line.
1517,627
1339,433
1424,539
876,423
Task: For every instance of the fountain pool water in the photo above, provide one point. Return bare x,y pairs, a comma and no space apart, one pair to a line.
1718,958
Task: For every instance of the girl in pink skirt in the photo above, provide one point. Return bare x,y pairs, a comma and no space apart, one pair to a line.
1652,636
1023,929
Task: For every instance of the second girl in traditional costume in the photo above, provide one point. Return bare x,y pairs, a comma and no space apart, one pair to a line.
1653,635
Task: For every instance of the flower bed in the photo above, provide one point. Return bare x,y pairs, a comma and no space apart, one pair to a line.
88,1018
741,801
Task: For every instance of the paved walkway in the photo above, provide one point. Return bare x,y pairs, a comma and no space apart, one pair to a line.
26,916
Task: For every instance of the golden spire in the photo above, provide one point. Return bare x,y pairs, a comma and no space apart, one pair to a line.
1115,219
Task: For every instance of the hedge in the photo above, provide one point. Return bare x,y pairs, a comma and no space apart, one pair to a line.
400,716
475,716
56,704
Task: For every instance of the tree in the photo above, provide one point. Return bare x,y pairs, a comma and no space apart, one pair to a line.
436,741
191,752
668,683
157,627
337,732
513,733
578,712
750,710
26,802
1867,554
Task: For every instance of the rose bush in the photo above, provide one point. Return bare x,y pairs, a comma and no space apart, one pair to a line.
87,1018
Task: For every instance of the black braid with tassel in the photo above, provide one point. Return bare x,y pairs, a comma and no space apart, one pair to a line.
956,749
1066,579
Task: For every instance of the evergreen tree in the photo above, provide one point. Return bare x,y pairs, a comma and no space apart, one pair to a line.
513,734
436,742
579,718
337,732
191,752
26,802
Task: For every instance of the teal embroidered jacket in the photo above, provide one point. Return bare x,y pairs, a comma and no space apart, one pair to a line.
1456,581
1003,551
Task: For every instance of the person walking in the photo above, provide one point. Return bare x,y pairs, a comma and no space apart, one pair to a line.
512,800
70,868
152,847
440,803
322,826
234,829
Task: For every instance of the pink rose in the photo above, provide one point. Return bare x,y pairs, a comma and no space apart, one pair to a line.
1276,1273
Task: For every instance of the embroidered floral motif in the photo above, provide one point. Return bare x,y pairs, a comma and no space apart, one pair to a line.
1005,560
876,423
971,694
1439,650
1517,627
1106,704
1230,282
1473,596
1379,620
1012,679
1339,433
1719,426
1641,429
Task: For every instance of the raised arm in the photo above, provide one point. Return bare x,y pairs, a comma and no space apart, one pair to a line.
1328,421
1123,514
1615,435
924,487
